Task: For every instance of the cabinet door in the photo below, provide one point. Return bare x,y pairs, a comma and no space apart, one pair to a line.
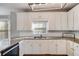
36,47
58,21
70,48
20,23
52,46
63,21
76,20
39,16
76,17
44,46
25,47
23,21
61,47
70,20
51,21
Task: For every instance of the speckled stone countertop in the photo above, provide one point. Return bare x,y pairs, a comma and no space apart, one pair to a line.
47,38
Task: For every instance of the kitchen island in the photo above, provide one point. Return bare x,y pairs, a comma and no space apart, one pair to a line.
49,46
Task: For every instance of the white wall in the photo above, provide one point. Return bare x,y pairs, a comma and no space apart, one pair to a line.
4,11
7,11
9,14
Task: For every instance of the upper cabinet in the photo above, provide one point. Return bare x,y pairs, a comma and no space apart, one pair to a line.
76,17
73,18
38,16
64,25
56,20
62,20
23,21
51,21
70,20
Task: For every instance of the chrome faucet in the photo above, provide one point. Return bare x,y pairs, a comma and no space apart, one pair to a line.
40,36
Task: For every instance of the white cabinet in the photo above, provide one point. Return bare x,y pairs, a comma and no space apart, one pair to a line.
51,21
76,19
39,16
61,21
35,16
44,47
64,21
52,46
36,47
70,48
58,21
23,21
25,47
71,20
61,46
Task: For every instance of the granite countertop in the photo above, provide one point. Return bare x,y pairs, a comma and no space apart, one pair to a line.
21,37
47,38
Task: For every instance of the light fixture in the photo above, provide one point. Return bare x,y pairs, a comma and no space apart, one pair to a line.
45,6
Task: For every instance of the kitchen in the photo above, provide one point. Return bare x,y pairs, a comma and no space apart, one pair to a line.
42,29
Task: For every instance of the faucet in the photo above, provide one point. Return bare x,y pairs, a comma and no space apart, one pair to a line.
40,36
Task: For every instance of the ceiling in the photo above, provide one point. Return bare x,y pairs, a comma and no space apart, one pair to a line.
39,6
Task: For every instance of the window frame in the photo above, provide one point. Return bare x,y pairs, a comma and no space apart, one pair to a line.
40,33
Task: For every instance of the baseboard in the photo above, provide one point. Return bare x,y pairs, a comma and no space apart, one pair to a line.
45,55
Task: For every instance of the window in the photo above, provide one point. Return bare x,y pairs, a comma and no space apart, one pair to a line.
39,27
3,30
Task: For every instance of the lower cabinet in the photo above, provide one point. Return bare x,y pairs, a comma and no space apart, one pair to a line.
36,47
25,47
70,48
52,47
61,46
42,47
